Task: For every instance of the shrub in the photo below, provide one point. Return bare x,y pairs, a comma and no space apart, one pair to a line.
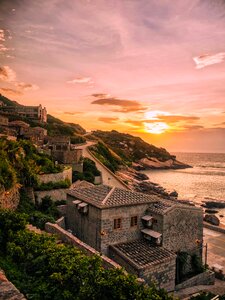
43,269
62,184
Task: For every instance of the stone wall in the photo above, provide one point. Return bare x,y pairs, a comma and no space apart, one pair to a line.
62,209
56,194
98,180
206,278
126,233
67,156
61,222
9,199
96,160
163,274
7,290
85,227
55,177
182,228
69,238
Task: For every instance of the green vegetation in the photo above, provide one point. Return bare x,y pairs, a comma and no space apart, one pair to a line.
107,157
89,171
78,139
41,268
131,148
62,184
40,213
8,102
20,162
58,127
188,266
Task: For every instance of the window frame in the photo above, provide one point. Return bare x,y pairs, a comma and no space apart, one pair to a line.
133,221
115,223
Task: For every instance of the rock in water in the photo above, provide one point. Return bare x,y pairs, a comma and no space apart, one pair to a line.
212,219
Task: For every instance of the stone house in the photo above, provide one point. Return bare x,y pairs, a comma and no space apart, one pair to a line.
34,134
5,130
23,130
3,120
61,150
140,232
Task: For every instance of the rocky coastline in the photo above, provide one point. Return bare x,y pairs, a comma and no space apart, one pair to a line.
154,163
140,182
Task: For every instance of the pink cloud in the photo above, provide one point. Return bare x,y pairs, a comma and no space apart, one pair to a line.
207,59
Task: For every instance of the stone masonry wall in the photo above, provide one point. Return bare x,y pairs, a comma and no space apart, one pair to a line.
126,233
85,227
57,194
9,199
182,227
54,177
162,274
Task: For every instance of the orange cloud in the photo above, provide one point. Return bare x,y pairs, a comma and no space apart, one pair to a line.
7,74
108,120
124,105
176,118
72,112
80,80
27,86
100,95
11,91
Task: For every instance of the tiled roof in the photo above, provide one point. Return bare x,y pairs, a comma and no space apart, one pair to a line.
141,253
161,207
106,196
94,195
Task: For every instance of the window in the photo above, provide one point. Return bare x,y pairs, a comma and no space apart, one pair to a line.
117,223
133,221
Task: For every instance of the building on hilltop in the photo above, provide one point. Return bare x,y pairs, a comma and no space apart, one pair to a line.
36,113
141,232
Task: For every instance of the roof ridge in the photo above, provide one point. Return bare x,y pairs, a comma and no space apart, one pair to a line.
109,194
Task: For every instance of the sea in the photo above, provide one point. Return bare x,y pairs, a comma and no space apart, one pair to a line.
205,181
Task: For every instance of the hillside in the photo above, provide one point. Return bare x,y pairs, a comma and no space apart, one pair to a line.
54,125
134,150
131,148
115,148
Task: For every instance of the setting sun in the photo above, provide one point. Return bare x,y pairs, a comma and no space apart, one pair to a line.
156,128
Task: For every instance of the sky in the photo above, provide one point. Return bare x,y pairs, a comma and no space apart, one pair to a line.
154,69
